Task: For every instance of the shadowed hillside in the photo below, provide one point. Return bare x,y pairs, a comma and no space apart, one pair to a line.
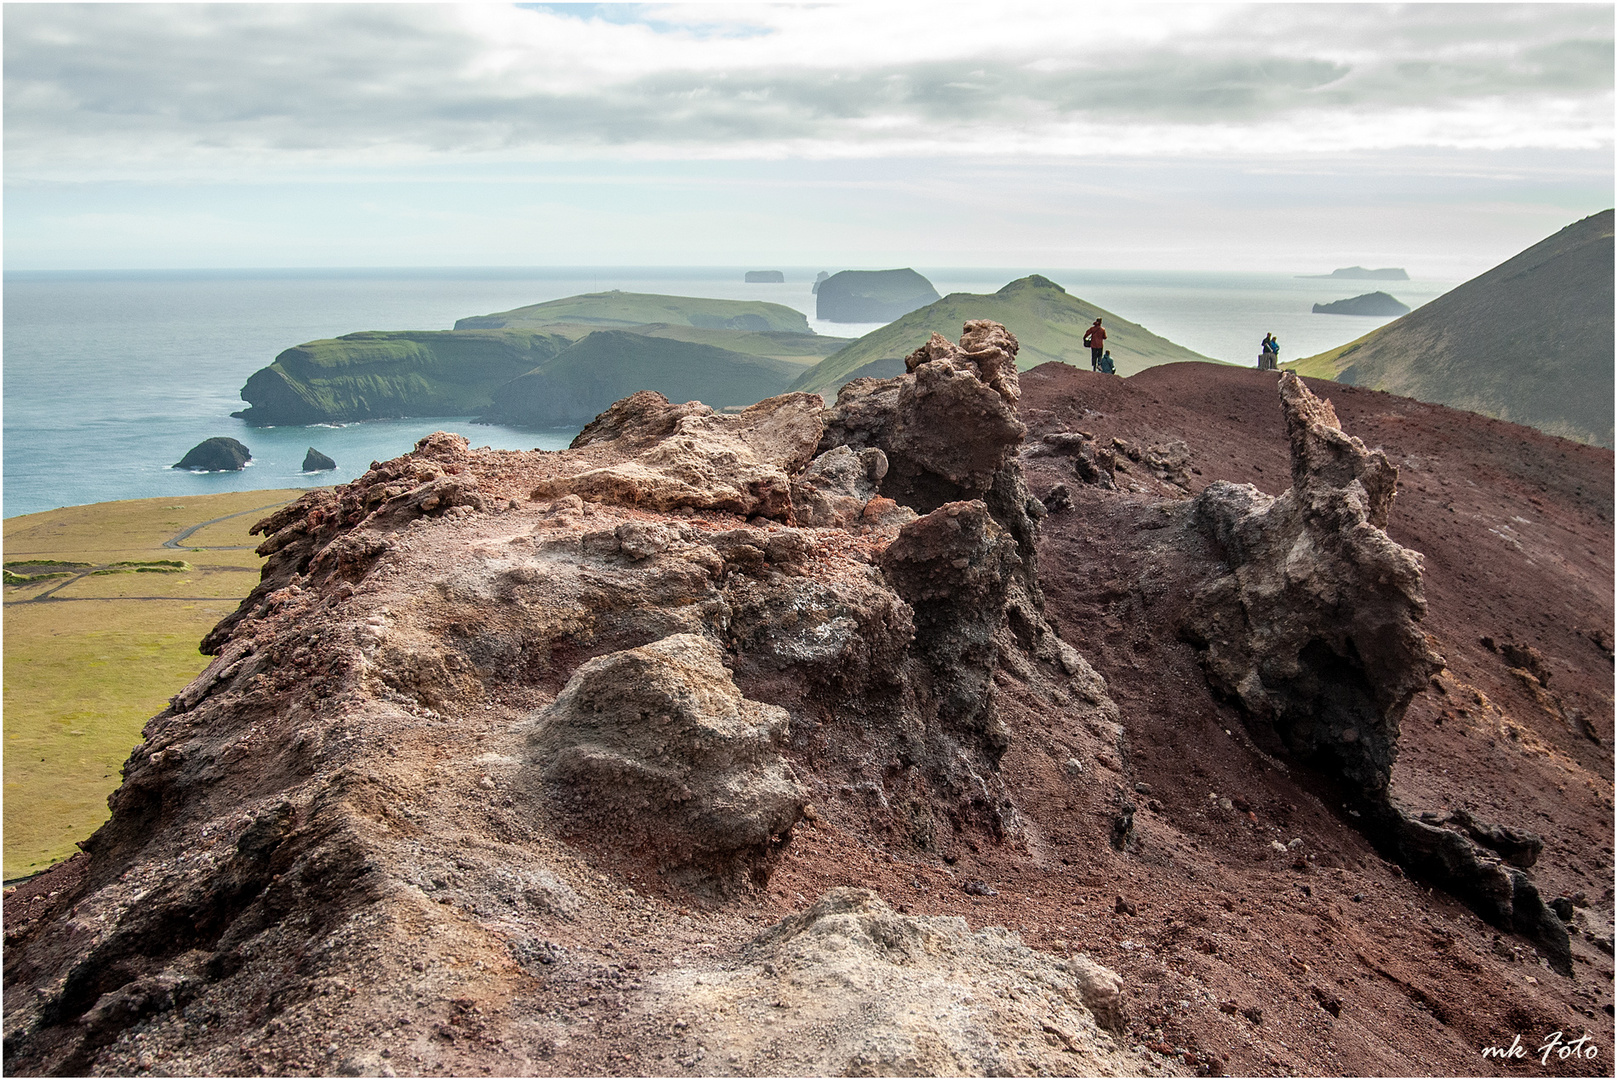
1530,341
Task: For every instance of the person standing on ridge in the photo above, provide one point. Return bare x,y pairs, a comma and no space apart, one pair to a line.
1269,357
1095,338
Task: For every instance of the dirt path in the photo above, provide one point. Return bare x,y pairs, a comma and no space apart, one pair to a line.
177,539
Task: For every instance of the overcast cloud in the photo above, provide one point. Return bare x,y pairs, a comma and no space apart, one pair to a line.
249,134
102,89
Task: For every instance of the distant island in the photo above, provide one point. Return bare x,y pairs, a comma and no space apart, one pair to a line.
545,364
765,277
1379,304
1359,273
872,296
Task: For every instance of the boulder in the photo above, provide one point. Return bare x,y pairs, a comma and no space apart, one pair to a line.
837,485
655,748
218,454
872,296
315,461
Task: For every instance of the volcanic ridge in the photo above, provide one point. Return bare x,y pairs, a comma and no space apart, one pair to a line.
978,723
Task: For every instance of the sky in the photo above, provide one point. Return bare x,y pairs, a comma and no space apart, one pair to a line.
1291,137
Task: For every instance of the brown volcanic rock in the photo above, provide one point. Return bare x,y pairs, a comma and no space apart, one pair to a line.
655,746
332,857
462,761
1315,628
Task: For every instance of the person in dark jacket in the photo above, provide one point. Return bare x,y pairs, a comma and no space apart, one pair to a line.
1269,356
1095,338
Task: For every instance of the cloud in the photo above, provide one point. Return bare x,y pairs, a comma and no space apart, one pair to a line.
107,90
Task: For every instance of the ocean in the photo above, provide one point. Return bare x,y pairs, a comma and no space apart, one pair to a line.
111,376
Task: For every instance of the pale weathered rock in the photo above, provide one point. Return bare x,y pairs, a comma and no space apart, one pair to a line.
655,746
676,456
851,987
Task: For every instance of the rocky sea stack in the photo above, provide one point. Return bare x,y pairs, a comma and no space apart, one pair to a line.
218,454
315,461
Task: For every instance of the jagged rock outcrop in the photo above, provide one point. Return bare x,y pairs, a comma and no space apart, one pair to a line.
655,748
906,995
455,722
218,454
1315,631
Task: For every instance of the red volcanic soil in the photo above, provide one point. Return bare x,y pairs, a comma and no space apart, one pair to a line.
1258,932
1323,959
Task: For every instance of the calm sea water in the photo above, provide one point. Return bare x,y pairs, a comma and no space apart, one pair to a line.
110,377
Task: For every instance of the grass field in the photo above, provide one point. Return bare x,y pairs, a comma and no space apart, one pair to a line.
91,656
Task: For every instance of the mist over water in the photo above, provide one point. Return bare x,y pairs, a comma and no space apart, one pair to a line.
110,377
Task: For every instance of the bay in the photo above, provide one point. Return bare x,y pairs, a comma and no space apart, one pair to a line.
111,376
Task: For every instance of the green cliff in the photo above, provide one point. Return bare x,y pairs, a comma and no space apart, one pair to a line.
374,375
1048,323
583,380
623,310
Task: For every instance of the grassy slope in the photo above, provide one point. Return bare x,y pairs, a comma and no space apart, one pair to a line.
622,309
1529,341
1047,322
608,365
86,669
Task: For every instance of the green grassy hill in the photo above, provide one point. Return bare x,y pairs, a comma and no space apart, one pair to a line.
623,310
1047,322
1529,341
582,381
377,374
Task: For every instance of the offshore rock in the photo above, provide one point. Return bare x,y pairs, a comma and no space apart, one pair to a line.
315,461
218,454
656,748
